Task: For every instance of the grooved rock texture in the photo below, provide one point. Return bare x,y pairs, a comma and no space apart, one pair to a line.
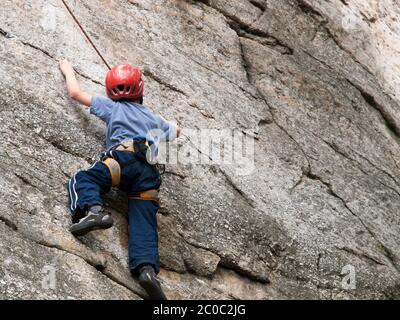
317,81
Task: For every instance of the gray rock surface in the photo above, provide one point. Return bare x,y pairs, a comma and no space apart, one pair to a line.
317,81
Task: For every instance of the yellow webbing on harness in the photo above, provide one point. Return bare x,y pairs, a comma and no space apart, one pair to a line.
126,146
115,170
148,195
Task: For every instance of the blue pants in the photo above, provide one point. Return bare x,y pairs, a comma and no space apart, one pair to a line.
87,187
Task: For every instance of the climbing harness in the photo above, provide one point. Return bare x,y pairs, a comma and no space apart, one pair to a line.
140,148
113,166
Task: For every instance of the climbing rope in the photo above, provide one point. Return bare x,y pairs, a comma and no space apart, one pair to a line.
85,33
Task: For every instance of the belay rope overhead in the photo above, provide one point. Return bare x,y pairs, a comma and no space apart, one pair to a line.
85,34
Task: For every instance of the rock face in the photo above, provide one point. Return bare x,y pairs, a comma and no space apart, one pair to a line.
317,81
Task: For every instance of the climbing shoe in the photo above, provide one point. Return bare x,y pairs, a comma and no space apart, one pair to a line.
92,221
148,280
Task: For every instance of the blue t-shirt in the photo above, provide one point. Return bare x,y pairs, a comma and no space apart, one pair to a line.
127,121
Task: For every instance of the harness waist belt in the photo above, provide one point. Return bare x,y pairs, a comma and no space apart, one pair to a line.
126,146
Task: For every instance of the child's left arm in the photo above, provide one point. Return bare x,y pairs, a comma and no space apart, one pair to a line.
74,89
171,129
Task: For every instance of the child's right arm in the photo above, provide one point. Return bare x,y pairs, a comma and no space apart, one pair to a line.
74,90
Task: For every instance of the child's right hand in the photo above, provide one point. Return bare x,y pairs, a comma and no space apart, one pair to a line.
65,66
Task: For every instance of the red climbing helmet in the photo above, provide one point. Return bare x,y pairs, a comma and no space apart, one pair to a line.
124,82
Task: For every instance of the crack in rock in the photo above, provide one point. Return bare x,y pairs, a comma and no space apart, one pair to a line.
385,250
6,34
9,223
262,38
361,255
388,119
156,78
227,264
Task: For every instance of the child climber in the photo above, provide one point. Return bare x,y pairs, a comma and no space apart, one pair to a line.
124,165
